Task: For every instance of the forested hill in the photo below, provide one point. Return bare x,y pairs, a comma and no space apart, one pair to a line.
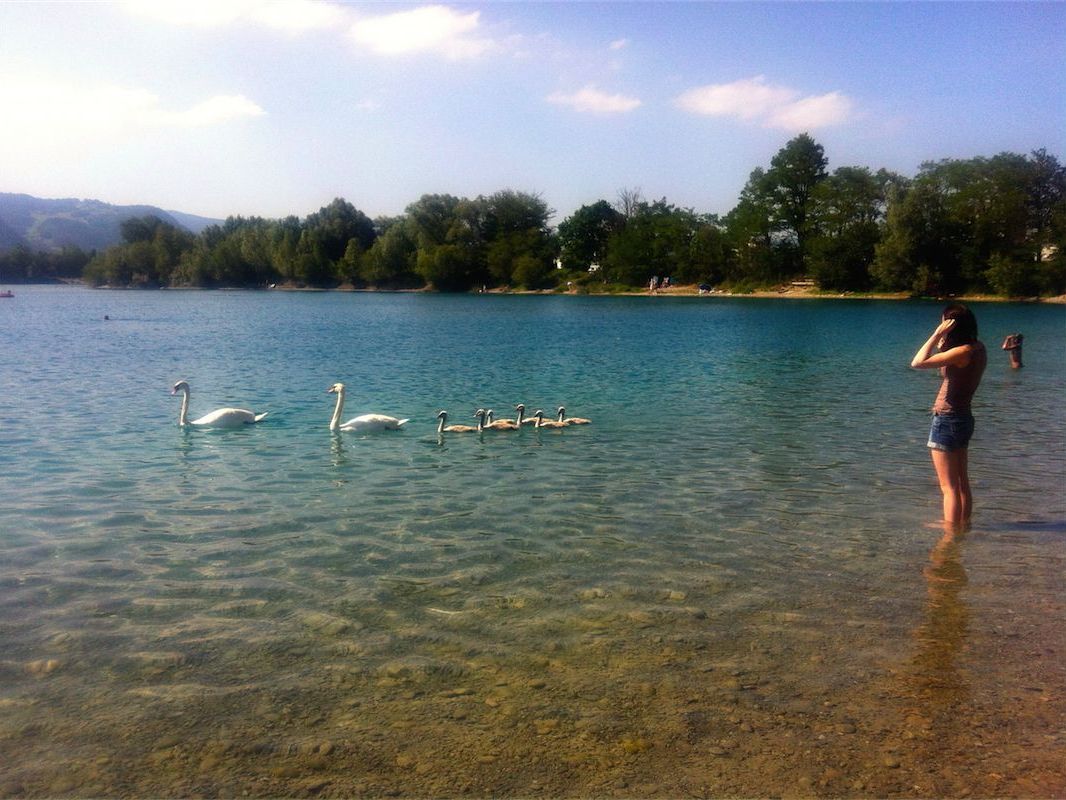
51,225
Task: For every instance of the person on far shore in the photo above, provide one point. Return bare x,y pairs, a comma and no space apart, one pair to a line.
956,351
1013,345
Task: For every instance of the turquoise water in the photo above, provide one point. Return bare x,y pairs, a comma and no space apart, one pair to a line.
730,582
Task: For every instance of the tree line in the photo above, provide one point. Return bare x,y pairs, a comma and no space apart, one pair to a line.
20,264
982,225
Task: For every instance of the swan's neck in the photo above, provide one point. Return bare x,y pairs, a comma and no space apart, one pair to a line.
521,414
335,423
562,415
183,415
480,423
440,425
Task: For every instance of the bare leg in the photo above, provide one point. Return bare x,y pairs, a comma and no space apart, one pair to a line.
963,484
951,472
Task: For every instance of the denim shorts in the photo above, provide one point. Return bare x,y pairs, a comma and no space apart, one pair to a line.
950,432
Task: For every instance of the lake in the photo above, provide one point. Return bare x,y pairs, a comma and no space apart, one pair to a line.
730,583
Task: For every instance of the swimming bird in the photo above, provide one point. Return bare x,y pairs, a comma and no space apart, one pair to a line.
219,418
480,414
522,418
365,423
547,423
442,428
571,420
499,424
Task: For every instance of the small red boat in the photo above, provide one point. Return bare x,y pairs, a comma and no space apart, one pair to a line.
7,293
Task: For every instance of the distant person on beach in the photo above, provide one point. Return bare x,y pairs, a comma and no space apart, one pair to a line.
1013,345
955,350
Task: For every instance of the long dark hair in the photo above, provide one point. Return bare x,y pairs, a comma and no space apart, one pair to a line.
964,331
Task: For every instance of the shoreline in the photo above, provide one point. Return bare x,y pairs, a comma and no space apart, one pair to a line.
689,290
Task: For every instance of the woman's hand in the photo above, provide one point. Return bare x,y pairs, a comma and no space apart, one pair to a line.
925,358
941,330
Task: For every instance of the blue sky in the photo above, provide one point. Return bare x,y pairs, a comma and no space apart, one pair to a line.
220,107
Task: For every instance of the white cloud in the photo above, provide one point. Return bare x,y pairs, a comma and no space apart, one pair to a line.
292,16
753,99
747,99
218,109
618,44
433,29
593,100
813,112
296,16
45,110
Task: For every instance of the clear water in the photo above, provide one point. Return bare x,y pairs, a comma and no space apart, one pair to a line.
731,582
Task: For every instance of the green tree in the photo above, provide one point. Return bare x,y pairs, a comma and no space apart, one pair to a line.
446,267
333,226
313,267
711,254
657,240
511,227
750,233
149,256
788,188
847,210
583,236
430,219
390,262
918,249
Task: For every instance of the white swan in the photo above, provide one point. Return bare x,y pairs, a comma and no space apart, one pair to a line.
442,428
499,424
547,423
571,420
219,418
364,422
522,418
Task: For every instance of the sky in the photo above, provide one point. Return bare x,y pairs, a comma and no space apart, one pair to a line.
271,108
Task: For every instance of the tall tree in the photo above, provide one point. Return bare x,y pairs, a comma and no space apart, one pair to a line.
789,186
515,231
750,231
846,212
583,236
333,226
391,261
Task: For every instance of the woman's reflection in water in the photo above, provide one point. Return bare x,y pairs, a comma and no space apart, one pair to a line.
941,691
947,618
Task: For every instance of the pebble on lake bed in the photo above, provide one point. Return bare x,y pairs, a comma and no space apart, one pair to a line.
633,745
43,666
594,593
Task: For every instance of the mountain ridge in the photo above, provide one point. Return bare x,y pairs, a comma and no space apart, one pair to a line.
50,224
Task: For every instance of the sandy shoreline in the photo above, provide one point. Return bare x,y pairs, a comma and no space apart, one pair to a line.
789,292
792,292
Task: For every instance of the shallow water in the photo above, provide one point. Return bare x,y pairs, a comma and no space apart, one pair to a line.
729,583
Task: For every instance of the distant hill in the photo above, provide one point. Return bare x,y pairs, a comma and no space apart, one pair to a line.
50,225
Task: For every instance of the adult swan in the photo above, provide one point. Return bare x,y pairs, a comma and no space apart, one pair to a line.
365,422
219,418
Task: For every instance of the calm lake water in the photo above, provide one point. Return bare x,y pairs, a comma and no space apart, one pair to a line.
730,583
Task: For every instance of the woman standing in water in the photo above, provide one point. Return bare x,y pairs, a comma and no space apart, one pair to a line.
961,358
